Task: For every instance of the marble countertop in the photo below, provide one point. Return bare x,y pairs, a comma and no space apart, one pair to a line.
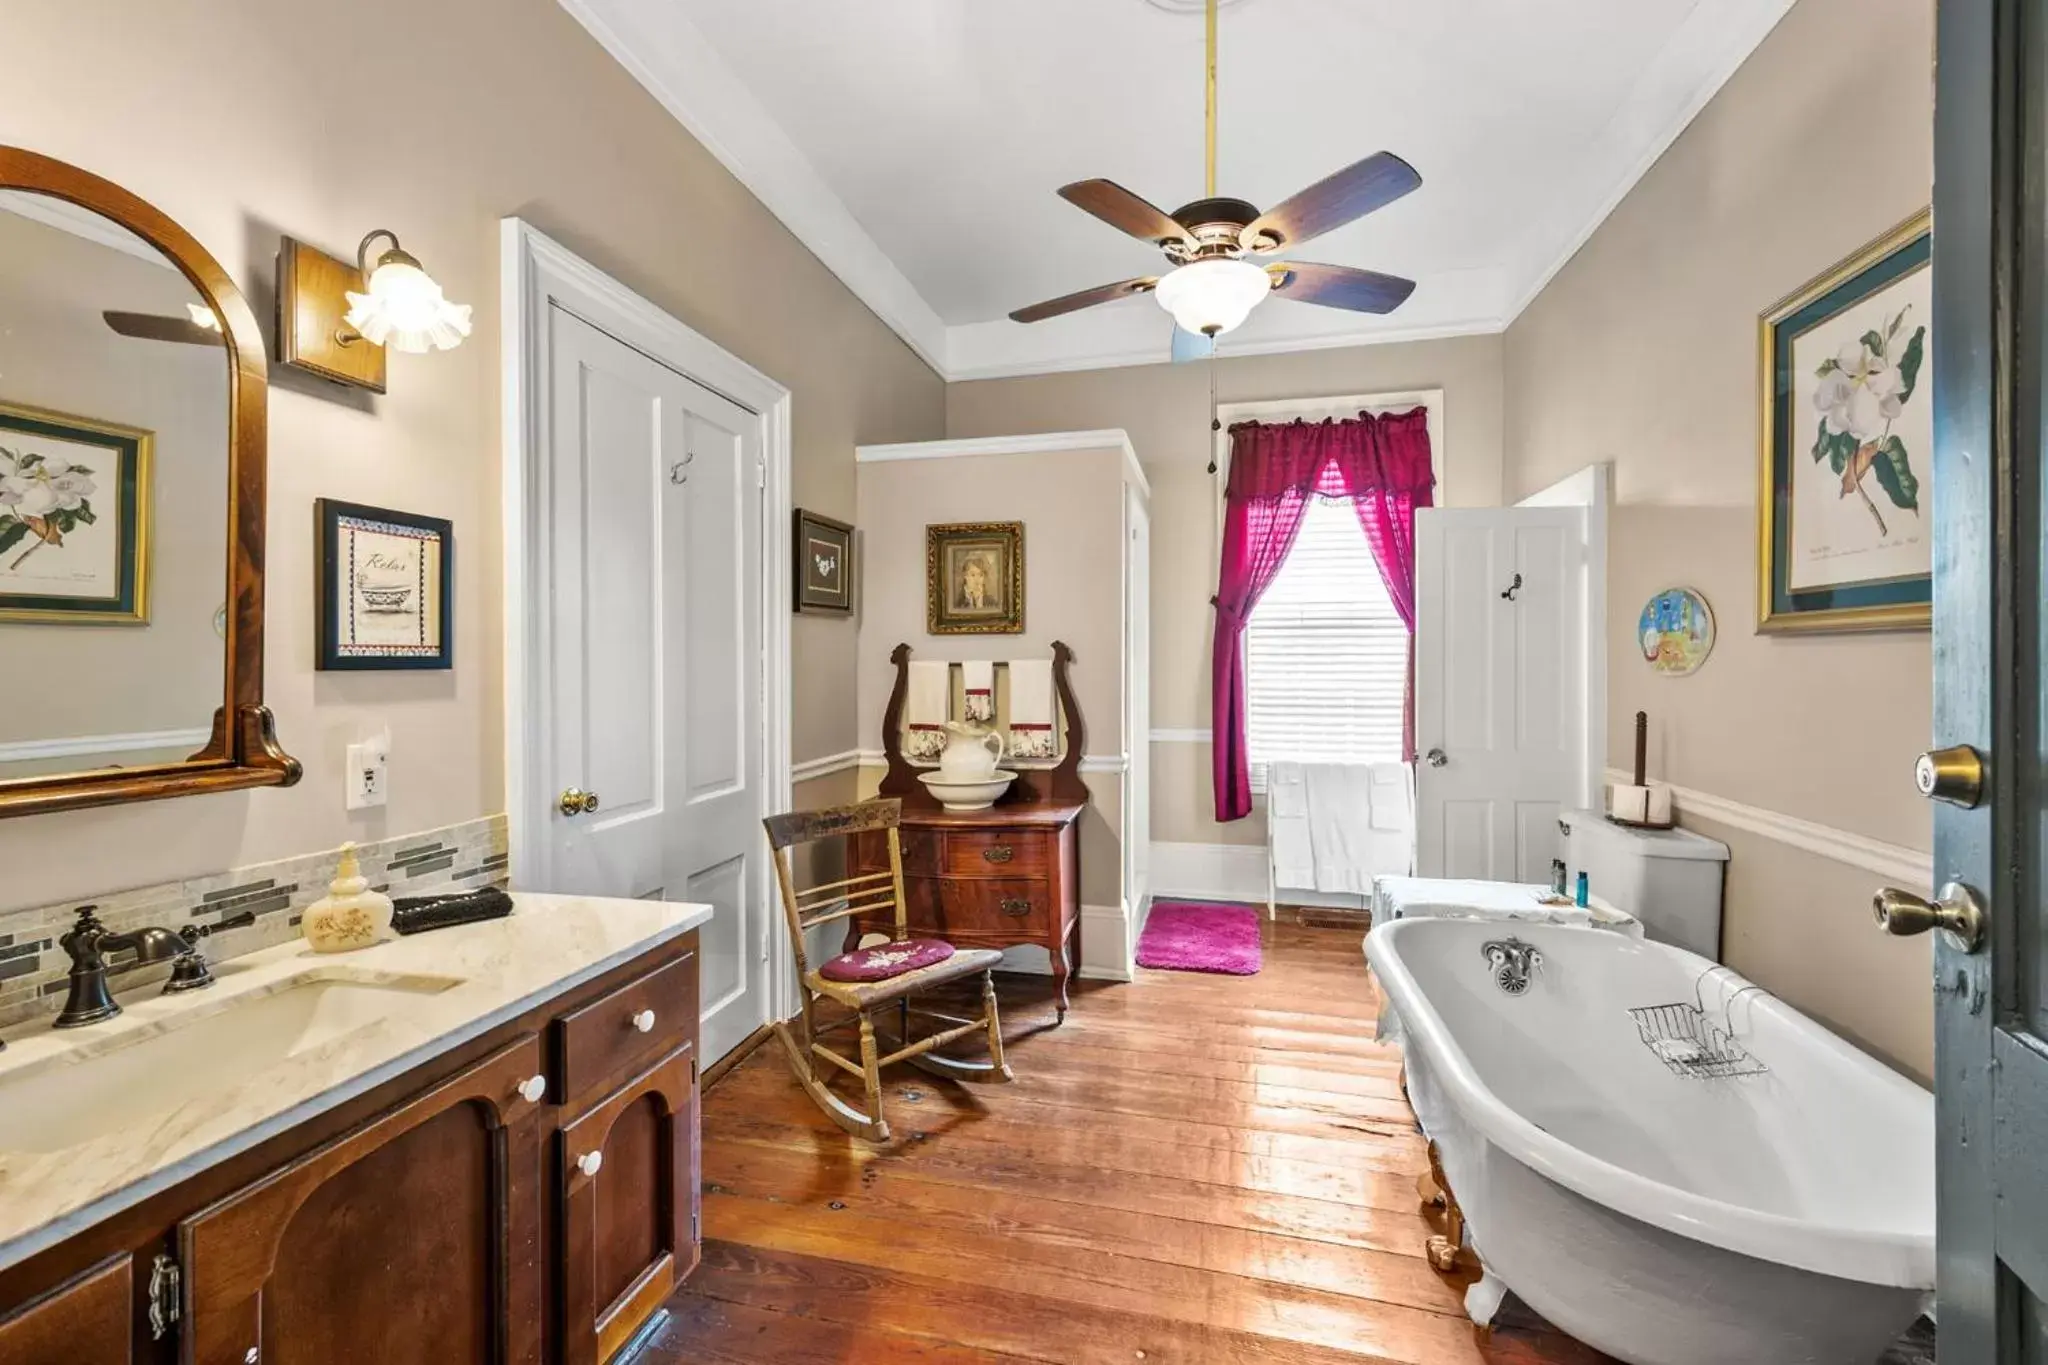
456,984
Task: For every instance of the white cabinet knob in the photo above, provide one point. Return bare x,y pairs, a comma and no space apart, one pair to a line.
590,1163
644,1021
532,1088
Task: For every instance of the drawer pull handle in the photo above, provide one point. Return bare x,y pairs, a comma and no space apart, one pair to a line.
532,1088
1000,854
643,1022
1018,908
590,1163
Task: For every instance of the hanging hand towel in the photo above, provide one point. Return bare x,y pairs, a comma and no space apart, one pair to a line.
1392,809
1032,709
979,678
924,710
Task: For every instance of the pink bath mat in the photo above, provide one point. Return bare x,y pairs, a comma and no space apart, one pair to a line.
1201,936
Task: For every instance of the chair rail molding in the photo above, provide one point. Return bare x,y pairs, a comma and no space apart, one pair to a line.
1894,862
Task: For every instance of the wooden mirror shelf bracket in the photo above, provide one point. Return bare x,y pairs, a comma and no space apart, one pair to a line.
244,750
1059,783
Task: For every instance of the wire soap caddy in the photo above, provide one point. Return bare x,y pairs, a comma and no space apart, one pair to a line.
1690,1041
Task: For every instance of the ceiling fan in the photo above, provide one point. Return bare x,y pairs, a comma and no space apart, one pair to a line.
1213,285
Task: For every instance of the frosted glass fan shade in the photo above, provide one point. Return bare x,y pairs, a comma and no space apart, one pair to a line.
1213,296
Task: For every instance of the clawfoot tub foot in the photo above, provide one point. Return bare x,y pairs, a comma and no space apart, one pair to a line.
1483,1300
1444,1250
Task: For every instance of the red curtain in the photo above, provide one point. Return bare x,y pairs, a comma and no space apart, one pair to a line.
1381,466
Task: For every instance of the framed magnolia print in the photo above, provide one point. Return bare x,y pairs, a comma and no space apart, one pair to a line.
824,564
74,519
384,588
974,578
1844,538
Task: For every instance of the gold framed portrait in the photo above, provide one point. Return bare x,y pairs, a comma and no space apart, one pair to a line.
974,578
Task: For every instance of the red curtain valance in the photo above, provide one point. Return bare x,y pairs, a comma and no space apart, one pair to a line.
1387,454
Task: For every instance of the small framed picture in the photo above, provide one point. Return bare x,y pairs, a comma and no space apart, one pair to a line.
74,519
824,564
383,588
974,578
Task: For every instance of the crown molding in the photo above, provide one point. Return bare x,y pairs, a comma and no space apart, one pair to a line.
1110,438
670,57
81,222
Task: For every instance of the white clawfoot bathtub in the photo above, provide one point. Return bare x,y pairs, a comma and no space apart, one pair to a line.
1783,1218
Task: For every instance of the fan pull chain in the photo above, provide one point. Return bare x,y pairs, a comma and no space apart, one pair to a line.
1215,422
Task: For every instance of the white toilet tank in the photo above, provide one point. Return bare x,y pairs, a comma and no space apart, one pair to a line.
1670,879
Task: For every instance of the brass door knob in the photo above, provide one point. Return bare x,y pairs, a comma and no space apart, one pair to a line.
1959,913
1954,775
576,801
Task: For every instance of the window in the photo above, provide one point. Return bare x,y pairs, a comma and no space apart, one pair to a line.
1326,655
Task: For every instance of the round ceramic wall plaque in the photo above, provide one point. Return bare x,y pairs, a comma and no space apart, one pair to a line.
1676,631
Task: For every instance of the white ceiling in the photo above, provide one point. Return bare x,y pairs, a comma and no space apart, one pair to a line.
916,145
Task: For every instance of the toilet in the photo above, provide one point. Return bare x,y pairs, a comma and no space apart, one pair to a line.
1670,879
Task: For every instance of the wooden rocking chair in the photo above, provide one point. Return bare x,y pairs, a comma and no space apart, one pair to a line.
871,979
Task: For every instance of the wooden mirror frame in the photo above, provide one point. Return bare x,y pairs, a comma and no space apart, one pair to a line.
243,751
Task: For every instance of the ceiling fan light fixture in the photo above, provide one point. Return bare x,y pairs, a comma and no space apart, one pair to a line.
1213,296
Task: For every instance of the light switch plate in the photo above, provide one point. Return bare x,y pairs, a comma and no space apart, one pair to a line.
368,774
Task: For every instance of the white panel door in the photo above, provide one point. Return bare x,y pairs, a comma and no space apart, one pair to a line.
1499,704
654,653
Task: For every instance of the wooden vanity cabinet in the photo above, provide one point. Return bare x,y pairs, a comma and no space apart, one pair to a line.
450,1215
83,1319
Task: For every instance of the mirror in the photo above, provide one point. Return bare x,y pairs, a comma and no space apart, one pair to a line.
131,508
113,496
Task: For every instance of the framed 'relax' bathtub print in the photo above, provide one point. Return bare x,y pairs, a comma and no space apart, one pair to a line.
384,588
1844,535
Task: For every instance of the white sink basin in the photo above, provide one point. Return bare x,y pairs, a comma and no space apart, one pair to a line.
211,1047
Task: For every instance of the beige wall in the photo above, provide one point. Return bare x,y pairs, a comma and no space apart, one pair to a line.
1643,351
1071,504
57,353
242,119
1165,408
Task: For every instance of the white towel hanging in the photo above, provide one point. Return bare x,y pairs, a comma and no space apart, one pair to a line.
925,709
1032,710
978,681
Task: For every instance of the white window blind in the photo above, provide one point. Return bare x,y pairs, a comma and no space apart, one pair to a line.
1326,655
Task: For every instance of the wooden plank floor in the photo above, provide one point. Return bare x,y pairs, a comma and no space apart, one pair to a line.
1192,1170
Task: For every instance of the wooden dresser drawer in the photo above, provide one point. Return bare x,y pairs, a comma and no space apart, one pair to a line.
996,853
603,1042
920,853
989,906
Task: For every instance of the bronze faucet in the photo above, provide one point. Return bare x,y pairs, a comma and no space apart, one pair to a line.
89,945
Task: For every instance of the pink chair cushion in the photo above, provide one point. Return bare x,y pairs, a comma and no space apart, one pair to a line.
886,960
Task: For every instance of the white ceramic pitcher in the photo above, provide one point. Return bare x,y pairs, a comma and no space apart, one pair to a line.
971,753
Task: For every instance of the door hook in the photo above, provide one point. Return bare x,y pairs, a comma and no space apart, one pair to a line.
1513,588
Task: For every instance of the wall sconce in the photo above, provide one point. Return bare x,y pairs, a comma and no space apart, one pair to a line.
337,319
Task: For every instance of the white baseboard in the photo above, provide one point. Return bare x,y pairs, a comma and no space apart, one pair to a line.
1106,940
1908,867
1233,872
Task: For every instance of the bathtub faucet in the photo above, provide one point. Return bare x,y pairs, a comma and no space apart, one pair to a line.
1511,960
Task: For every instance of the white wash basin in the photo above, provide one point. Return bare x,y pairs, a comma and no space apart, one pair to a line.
110,1082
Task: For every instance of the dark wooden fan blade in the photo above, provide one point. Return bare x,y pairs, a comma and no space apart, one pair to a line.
1351,193
1087,298
1339,286
1126,212
159,327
